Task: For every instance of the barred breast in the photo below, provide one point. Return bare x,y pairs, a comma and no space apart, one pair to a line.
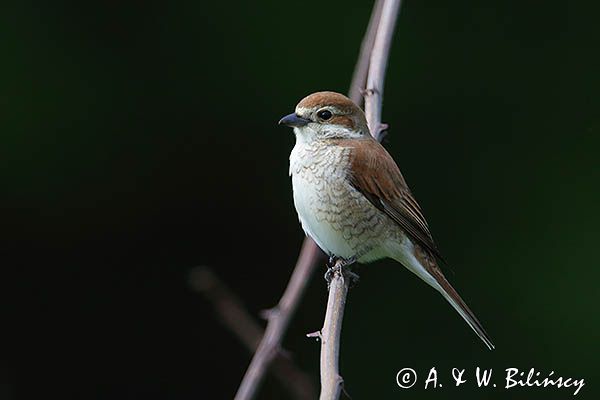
331,211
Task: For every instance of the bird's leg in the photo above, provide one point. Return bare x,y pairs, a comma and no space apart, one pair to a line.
331,261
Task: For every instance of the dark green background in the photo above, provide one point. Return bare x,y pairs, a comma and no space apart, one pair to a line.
139,139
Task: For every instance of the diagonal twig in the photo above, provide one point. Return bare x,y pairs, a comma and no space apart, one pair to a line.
278,320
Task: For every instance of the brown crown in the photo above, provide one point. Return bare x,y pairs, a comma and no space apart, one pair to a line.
333,99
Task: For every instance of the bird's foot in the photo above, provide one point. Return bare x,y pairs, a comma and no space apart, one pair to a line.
329,273
341,265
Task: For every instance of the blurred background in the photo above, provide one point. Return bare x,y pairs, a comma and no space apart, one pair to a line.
139,140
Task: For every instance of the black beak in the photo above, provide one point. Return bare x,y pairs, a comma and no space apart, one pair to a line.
293,121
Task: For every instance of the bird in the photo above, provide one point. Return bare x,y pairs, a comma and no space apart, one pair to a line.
352,199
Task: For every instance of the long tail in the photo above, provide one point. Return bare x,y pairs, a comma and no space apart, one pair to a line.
461,307
425,267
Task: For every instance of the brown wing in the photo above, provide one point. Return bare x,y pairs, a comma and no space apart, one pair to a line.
378,178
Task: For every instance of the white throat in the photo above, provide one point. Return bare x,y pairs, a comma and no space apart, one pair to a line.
307,134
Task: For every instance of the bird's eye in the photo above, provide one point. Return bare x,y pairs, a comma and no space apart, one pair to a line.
324,115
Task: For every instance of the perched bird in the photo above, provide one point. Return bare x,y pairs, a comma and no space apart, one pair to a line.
352,200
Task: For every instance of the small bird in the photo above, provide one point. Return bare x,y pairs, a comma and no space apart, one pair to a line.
352,200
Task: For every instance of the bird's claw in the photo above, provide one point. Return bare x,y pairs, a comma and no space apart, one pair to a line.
331,262
337,264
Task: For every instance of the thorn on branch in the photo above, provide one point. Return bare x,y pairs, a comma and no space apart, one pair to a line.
344,389
316,334
382,132
369,92
269,313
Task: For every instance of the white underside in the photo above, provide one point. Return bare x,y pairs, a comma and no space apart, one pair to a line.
328,239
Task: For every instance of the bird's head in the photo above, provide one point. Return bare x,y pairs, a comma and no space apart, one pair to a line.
327,115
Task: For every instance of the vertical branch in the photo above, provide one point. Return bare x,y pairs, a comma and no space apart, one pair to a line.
378,64
359,77
331,381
